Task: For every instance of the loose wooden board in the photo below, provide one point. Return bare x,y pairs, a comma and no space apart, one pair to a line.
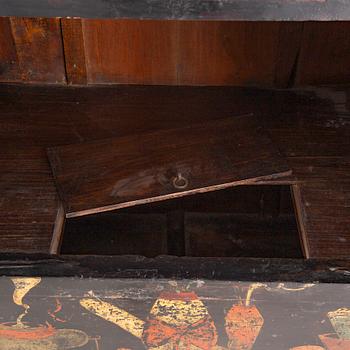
120,172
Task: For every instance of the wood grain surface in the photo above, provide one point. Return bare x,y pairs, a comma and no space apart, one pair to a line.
310,127
87,51
39,49
115,173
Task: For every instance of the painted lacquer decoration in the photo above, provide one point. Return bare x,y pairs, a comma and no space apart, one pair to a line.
22,287
340,340
243,323
22,336
182,319
340,320
225,315
176,321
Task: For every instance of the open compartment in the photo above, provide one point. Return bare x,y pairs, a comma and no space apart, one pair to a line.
190,191
246,221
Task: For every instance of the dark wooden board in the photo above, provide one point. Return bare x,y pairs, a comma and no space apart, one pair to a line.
31,50
229,269
291,10
121,172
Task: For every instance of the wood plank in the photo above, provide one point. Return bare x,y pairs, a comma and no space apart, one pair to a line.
29,200
58,229
301,219
288,51
9,70
74,51
230,269
115,173
325,54
227,53
132,52
270,10
326,212
188,52
39,49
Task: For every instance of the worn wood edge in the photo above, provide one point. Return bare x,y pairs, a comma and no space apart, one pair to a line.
298,208
174,195
169,267
58,229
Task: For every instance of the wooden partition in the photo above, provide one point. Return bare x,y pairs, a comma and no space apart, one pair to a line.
76,51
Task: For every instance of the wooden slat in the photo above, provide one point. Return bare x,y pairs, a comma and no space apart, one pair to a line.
230,269
325,54
115,173
74,51
288,51
252,10
326,212
39,49
227,53
9,70
133,52
29,200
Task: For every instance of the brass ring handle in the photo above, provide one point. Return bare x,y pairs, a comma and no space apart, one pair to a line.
180,182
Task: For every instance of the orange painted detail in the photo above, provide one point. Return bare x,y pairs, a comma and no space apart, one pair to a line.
332,342
40,332
201,334
243,325
184,296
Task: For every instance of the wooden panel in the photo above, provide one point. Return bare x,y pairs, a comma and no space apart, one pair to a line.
271,10
185,53
130,51
326,213
74,51
121,172
288,49
325,54
233,53
9,70
39,49
208,268
25,178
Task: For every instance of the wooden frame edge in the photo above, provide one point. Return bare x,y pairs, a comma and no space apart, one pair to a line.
298,209
58,229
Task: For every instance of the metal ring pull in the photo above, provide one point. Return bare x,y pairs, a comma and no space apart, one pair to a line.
180,182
